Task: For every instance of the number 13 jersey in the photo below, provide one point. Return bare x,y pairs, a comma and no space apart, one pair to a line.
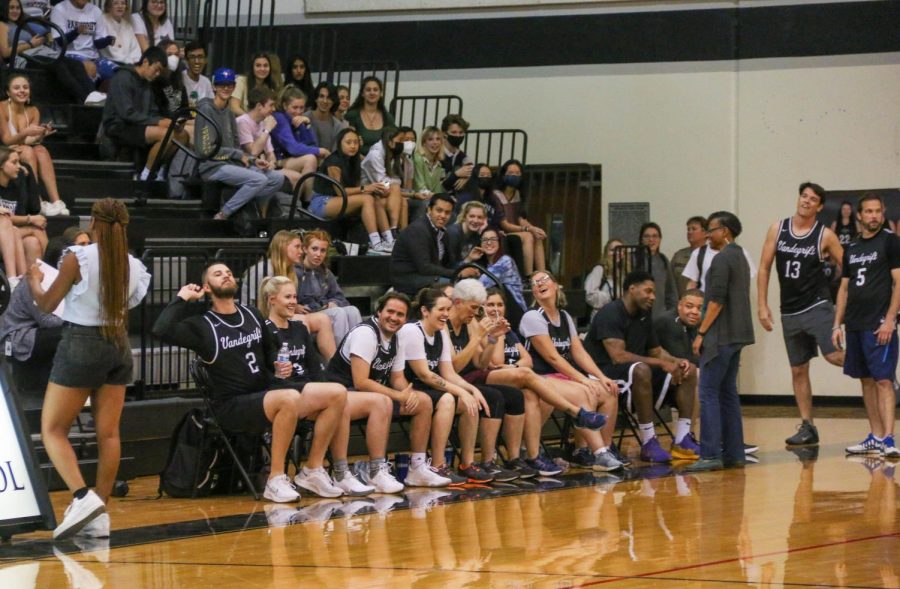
798,260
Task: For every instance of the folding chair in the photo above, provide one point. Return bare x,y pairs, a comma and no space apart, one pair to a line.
212,427
626,408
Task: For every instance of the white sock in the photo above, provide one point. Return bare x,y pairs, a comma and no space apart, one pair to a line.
647,432
374,239
145,173
682,428
417,459
877,439
601,450
387,237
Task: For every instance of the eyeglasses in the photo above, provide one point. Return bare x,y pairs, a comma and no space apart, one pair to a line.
711,229
540,281
490,240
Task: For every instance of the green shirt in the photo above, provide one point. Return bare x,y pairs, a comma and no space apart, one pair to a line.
369,136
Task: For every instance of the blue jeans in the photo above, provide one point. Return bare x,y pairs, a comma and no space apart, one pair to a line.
254,184
721,428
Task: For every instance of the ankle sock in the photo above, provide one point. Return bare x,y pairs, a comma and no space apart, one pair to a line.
374,238
375,465
601,450
682,428
417,459
80,493
647,432
387,237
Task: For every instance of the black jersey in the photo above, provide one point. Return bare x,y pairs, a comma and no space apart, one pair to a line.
379,367
511,354
562,341
433,353
867,267
305,360
460,341
239,362
846,233
800,267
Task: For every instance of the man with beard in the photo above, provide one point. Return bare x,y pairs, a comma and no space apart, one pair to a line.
240,354
363,362
867,304
798,246
624,345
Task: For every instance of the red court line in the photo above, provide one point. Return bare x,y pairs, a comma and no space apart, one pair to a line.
728,560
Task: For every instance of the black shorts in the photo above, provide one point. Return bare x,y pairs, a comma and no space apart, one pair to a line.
128,134
243,413
86,360
660,381
807,332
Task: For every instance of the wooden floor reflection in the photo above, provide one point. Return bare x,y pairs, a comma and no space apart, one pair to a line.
781,523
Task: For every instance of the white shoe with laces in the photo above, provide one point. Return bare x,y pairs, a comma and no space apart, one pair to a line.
384,481
78,514
317,482
425,475
97,528
280,490
95,98
351,486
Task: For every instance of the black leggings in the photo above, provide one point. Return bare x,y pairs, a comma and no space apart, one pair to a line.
502,400
74,80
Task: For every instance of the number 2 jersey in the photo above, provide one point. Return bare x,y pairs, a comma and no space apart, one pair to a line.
801,269
238,348
867,266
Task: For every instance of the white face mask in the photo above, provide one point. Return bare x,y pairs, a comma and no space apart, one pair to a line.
409,147
173,62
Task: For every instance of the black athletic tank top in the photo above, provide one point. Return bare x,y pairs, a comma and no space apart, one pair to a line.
238,365
562,341
379,369
800,268
511,353
459,342
433,353
846,233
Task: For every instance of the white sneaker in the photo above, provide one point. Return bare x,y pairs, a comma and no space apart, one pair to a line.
382,249
95,98
47,209
78,514
280,490
60,207
97,528
317,482
384,481
352,487
425,475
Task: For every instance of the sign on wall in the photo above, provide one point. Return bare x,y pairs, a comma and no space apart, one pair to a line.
24,503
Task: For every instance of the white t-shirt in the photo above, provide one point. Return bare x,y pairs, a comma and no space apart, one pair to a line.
89,19
411,346
198,90
690,271
163,31
364,344
249,130
534,323
126,48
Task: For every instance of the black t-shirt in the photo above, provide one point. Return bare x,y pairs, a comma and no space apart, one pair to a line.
17,196
511,353
867,266
307,364
674,336
614,322
350,173
799,263
460,340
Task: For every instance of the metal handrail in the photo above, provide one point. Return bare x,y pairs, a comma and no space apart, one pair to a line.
46,23
299,187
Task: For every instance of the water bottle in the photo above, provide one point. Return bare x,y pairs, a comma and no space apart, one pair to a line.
283,355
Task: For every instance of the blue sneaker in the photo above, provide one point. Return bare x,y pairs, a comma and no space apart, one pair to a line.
589,420
651,451
582,458
868,446
889,448
544,466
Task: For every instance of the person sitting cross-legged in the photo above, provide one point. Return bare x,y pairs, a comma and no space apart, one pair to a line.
248,393
623,343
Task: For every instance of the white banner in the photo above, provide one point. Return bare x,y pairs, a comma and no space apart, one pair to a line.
17,495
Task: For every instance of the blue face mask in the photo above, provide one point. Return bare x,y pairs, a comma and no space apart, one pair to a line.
513,181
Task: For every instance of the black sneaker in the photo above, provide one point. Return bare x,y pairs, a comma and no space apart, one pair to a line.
806,435
521,467
582,458
474,473
501,475
618,455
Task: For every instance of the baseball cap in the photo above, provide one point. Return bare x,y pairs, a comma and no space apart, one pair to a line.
223,75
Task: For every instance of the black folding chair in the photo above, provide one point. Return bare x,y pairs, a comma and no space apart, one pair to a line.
212,427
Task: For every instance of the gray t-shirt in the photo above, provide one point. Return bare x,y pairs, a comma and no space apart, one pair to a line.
728,283
326,131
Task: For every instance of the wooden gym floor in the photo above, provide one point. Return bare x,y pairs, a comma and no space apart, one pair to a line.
789,521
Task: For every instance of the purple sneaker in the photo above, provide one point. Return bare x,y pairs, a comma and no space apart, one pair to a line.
589,420
688,449
651,451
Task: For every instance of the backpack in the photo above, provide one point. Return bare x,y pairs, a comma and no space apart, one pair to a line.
184,171
190,452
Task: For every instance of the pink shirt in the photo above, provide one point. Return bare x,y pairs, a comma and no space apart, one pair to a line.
249,131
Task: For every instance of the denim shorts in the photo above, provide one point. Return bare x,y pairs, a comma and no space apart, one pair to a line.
87,360
317,204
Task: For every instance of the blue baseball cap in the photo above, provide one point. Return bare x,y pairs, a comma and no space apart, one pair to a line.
223,75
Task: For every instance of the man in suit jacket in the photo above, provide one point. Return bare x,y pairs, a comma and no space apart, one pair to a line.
422,254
